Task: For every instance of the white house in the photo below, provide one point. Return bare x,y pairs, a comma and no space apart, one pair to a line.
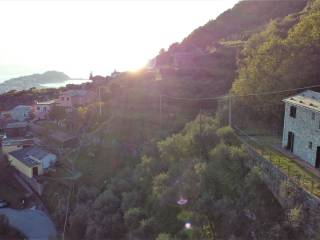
32,161
21,113
41,109
301,132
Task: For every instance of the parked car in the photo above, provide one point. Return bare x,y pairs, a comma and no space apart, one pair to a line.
3,203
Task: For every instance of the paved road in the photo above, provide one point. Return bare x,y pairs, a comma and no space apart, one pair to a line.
34,224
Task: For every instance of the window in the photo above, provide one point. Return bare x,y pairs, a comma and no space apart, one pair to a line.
62,98
68,99
313,116
293,112
310,145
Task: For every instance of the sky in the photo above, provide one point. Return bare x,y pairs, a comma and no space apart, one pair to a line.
79,36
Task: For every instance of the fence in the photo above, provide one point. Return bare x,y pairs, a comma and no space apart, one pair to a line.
295,173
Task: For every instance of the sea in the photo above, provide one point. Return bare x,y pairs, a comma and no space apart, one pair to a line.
65,83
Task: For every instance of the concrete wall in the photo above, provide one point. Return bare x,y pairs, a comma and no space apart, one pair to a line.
305,130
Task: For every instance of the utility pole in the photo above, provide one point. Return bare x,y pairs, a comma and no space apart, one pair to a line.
100,109
200,130
200,121
160,111
230,110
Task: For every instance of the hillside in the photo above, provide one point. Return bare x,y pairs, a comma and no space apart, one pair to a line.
285,55
238,22
34,80
140,159
212,50
151,165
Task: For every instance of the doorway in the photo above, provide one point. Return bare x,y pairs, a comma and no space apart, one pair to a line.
318,158
35,171
290,141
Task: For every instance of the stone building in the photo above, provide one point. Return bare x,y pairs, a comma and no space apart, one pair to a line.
75,98
42,109
301,132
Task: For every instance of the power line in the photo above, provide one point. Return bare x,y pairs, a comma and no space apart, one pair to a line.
67,211
245,95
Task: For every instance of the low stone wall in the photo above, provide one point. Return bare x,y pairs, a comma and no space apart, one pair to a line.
36,186
288,192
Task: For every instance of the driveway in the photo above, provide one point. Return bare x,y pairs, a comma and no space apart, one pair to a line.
34,224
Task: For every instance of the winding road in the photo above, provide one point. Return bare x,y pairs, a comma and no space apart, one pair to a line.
34,224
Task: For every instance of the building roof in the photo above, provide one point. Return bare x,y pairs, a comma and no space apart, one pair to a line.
17,141
307,99
98,78
61,136
73,93
46,102
37,152
17,125
23,157
22,108
28,155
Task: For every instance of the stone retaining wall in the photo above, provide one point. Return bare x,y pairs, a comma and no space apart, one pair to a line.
288,193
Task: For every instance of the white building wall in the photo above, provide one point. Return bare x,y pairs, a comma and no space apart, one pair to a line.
49,160
23,168
305,130
42,110
21,113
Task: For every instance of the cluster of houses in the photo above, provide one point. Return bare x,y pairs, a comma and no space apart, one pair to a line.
40,110
18,131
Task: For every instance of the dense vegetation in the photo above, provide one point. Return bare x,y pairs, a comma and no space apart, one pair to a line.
220,42
204,164
285,55
7,232
139,158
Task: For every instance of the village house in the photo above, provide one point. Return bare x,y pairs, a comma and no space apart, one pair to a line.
98,80
75,98
16,129
115,74
10,145
42,109
301,132
21,113
32,161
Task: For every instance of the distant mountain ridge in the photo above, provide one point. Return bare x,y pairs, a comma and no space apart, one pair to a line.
34,80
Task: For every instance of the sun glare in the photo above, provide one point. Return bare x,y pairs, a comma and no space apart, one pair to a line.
82,36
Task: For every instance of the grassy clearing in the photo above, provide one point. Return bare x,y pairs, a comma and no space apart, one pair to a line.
232,43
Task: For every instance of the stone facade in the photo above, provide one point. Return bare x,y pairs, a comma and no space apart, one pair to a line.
304,125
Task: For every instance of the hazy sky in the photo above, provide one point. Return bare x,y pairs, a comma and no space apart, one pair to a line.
79,36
